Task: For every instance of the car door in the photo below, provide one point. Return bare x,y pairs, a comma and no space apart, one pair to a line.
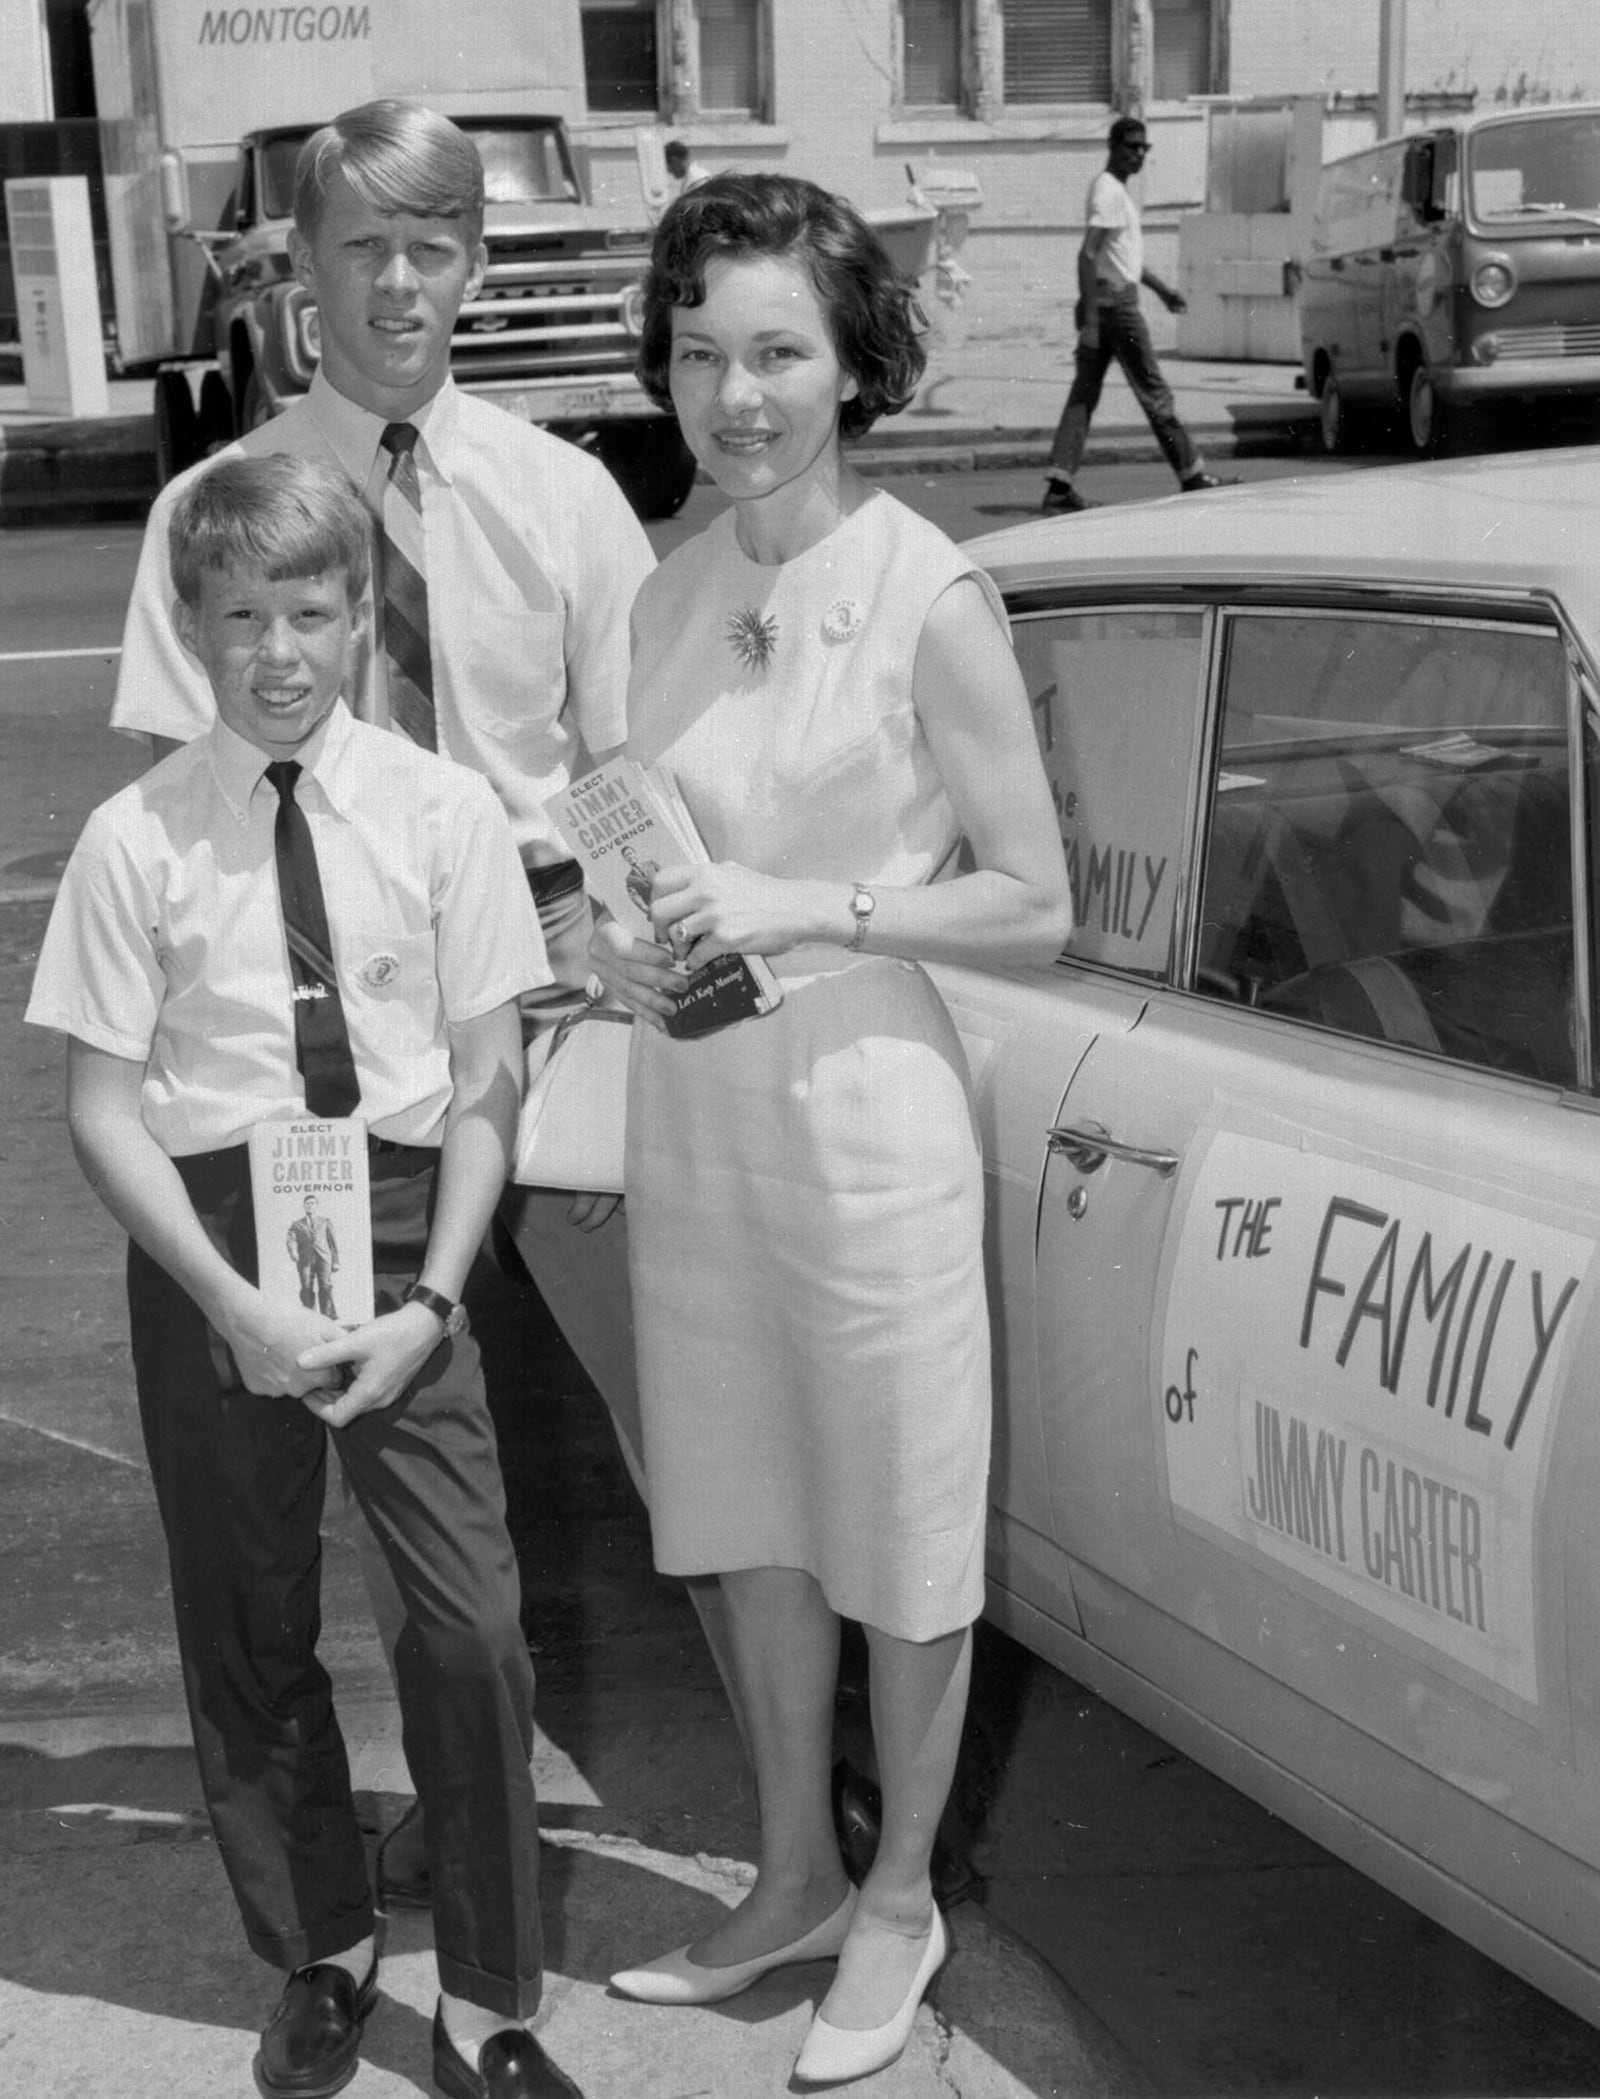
1316,1254
1114,682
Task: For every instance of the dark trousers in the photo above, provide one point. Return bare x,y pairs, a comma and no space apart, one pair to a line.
239,1483
1125,337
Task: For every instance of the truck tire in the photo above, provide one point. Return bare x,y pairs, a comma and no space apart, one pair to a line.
1427,421
256,408
1333,428
650,463
216,413
177,427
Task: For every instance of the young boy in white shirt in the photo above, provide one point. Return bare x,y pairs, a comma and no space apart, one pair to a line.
176,964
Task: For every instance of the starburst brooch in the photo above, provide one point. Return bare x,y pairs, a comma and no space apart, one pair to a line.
752,638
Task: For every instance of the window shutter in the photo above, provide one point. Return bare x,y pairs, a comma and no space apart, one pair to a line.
730,55
1182,49
1057,50
932,53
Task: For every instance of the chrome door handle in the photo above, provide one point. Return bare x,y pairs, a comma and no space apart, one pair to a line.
1088,1147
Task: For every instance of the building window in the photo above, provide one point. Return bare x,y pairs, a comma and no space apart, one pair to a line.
730,56
1057,50
930,71
1182,56
620,62
675,58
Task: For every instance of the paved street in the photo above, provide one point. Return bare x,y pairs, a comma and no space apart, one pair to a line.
1204,1947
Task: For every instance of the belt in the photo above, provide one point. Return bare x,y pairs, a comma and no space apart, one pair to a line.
556,879
403,1160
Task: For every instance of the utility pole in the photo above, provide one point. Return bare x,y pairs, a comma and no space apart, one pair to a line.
1391,67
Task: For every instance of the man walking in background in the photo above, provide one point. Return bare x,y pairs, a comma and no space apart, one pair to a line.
1111,268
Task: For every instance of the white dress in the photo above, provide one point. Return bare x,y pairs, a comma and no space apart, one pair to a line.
805,1192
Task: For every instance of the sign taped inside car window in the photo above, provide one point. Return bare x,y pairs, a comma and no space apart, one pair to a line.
1114,698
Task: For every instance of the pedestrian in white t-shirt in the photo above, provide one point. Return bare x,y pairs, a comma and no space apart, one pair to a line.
1111,268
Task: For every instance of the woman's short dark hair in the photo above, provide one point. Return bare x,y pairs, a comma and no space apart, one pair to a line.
876,322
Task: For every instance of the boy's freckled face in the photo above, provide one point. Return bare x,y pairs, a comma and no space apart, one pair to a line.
278,654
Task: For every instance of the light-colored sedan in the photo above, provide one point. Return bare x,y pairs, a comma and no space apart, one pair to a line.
1294,1167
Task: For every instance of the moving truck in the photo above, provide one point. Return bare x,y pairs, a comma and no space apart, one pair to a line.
203,110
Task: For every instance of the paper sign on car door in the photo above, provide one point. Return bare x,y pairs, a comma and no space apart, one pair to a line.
1357,1374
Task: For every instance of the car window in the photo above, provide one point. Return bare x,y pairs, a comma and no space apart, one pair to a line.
1115,700
1389,847
1358,202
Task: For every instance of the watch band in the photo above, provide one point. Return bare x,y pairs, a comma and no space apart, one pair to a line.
449,1313
862,903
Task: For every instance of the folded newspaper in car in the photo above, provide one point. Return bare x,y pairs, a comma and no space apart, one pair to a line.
623,823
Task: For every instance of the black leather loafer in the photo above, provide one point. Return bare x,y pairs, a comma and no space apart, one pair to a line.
403,1878
312,2042
511,2065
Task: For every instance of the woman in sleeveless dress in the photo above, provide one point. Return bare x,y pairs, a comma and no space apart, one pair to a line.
831,684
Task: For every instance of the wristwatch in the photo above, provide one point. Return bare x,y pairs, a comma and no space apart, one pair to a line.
863,903
452,1316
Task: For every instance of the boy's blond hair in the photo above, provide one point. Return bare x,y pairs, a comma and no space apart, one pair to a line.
287,517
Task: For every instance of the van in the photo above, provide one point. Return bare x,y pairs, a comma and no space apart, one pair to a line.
1456,267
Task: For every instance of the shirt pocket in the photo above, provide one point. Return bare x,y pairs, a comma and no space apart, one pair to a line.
512,680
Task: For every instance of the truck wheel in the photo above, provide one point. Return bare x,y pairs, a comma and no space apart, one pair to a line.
177,426
216,413
650,463
1334,425
256,408
1425,414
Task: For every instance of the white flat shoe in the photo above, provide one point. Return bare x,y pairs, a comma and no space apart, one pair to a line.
836,2054
675,1979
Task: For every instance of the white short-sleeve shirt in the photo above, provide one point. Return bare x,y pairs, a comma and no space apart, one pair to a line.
1112,211
533,559
166,944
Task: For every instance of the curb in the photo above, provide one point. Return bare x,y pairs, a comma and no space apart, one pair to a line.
70,471
105,468
1249,431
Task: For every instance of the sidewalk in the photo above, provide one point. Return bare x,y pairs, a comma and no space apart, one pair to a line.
987,401
122,1964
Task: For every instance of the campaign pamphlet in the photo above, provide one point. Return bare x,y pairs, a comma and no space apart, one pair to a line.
623,823
312,1198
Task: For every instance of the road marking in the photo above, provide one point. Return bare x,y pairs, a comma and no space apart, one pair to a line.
93,1450
54,655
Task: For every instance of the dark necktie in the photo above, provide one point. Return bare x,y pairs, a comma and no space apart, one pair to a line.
321,1039
405,591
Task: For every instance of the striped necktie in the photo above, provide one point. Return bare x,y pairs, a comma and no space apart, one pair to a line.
405,591
321,1035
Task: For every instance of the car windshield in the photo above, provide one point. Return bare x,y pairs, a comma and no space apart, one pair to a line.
523,163
1545,167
